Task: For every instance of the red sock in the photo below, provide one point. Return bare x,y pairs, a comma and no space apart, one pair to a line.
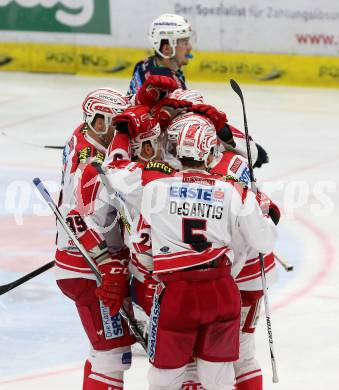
251,384
87,371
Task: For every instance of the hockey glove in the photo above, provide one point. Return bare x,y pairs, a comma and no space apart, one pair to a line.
155,88
114,286
167,109
225,135
218,118
135,120
268,208
262,157
150,285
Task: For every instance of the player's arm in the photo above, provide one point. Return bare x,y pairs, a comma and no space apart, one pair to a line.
95,222
258,230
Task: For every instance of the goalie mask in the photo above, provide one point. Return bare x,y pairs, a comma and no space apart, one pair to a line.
104,101
168,27
196,141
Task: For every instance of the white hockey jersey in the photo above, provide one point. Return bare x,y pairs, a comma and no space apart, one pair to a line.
246,272
76,194
194,215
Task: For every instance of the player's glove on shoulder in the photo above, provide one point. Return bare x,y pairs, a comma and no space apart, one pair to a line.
135,120
155,87
218,118
167,109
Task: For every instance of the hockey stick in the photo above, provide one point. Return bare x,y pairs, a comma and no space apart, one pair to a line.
29,143
284,263
116,201
43,191
9,286
275,378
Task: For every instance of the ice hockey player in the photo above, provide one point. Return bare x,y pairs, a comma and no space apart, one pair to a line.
247,275
139,133
231,138
108,335
196,309
170,37
232,164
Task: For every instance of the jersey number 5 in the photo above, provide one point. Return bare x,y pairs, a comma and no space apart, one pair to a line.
197,241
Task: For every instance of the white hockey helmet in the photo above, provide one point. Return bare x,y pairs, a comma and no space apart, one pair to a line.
170,27
196,141
190,95
104,101
179,123
152,135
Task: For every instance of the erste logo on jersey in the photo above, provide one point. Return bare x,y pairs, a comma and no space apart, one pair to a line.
209,195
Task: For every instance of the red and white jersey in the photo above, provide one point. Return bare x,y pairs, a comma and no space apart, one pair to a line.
79,151
231,164
194,215
128,178
247,270
241,146
249,277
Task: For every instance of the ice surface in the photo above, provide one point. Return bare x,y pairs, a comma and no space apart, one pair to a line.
42,344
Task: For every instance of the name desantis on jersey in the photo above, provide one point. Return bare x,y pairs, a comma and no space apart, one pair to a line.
201,202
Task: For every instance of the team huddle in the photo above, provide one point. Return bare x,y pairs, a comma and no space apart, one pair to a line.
156,187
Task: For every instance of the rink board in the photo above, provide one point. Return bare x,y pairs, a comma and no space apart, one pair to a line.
271,69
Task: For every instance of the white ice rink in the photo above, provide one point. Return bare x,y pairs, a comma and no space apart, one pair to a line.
42,345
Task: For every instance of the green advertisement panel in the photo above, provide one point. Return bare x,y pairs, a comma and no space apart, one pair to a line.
67,16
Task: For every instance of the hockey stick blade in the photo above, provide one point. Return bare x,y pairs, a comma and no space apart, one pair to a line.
53,147
9,286
236,89
284,263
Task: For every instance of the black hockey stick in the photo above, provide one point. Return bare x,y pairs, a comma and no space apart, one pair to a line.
31,144
9,286
275,378
131,323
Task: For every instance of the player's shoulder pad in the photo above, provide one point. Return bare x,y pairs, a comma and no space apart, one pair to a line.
159,166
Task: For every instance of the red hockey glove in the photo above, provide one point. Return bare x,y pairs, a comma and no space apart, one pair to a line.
274,213
114,286
155,88
167,109
268,208
150,285
135,120
218,118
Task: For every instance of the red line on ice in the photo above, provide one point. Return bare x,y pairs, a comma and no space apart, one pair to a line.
41,375
328,262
